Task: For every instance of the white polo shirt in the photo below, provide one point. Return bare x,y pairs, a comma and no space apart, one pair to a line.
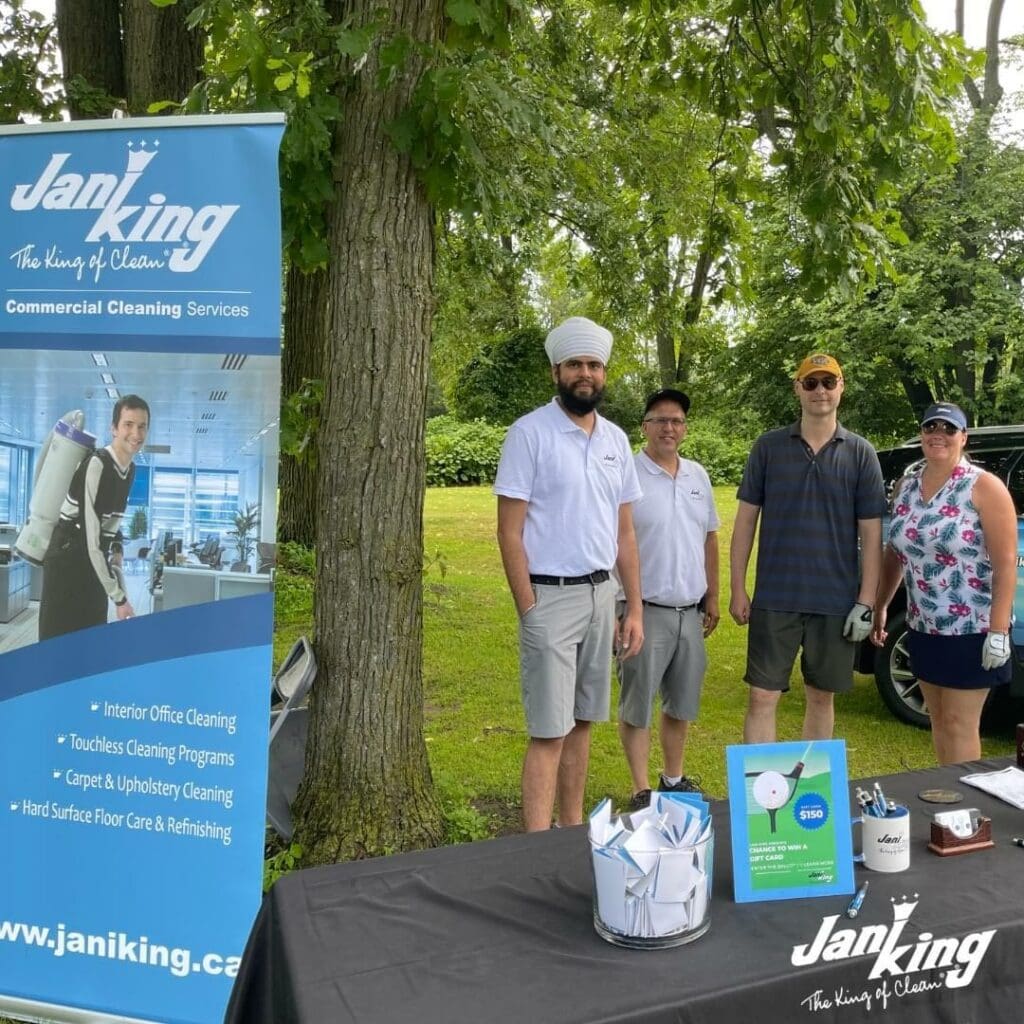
574,484
672,521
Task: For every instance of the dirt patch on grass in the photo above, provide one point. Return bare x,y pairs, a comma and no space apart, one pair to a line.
506,819
431,711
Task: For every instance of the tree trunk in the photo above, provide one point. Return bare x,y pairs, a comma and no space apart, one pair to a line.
305,325
89,36
367,788
694,305
662,299
163,59
919,394
508,281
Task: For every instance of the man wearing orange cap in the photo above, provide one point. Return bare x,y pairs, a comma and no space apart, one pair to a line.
817,490
565,484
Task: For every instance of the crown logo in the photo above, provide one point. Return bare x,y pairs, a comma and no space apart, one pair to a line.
139,158
902,910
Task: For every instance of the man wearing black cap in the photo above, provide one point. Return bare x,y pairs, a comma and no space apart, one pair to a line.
817,490
676,527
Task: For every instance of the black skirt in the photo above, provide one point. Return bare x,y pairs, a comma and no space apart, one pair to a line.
954,661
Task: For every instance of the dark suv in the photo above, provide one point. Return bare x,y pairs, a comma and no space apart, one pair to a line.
1001,451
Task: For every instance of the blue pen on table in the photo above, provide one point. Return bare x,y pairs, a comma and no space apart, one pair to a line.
855,904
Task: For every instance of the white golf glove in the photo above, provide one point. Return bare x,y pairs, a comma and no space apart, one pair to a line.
996,650
858,623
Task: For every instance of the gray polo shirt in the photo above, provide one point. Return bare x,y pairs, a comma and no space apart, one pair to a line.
810,507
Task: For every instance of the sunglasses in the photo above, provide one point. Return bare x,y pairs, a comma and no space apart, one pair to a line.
932,426
828,383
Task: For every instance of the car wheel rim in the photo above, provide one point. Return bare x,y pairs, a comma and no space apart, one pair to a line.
903,679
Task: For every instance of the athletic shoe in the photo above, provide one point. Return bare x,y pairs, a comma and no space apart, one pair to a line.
638,801
684,785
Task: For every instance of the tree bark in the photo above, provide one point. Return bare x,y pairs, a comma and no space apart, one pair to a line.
694,303
305,326
367,788
163,59
659,284
89,36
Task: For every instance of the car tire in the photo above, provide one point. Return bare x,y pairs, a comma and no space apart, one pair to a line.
897,684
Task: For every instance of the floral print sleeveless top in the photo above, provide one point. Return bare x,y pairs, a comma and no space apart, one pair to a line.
946,568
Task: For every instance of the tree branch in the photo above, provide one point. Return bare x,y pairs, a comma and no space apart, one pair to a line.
993,90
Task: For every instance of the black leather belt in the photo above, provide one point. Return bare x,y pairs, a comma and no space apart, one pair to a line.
570,581
672,607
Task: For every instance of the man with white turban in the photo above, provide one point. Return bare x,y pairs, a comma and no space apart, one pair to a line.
564,484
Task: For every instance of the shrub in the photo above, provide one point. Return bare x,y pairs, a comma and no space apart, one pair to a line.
462,453
294,583
296,558
723,455
505,379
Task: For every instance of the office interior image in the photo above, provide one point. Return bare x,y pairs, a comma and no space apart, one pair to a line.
202,513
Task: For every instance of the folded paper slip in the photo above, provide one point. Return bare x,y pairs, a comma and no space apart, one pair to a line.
1007,784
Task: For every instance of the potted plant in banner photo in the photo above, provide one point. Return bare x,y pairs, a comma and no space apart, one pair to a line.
244,536
139,525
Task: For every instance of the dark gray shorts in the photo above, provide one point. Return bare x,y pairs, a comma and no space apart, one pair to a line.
672,661
826,658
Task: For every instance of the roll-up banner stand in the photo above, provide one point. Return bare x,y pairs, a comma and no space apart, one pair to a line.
140,282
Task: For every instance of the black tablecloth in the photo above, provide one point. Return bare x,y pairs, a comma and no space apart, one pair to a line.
503,931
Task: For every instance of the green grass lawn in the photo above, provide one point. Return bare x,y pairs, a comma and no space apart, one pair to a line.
474,719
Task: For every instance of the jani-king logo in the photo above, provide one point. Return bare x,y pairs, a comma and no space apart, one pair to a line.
959,958
157,221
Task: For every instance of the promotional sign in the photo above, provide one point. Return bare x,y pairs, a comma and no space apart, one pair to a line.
139,396
790,815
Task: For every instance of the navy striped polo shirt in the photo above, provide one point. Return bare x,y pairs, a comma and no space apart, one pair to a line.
810,505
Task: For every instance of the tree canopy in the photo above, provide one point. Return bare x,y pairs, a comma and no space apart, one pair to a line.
725,183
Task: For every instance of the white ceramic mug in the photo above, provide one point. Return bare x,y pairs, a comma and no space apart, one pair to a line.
885,841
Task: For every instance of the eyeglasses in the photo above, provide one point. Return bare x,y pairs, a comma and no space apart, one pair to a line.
666,421
932,426
828,383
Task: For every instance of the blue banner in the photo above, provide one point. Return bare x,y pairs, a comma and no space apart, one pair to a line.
139,397
140,229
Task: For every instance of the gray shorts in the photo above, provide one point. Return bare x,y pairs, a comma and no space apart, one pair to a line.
826,658
565,657
672,660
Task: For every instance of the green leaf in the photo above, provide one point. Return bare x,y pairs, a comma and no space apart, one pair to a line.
354,42
463,12
283,82
909,37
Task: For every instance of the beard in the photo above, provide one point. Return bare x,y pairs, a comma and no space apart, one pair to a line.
579,405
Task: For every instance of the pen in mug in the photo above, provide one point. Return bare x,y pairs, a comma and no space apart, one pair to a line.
882,803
